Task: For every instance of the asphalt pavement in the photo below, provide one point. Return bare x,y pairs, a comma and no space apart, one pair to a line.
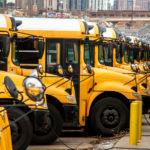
95,143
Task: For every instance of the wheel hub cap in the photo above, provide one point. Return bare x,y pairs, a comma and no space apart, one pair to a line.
110,117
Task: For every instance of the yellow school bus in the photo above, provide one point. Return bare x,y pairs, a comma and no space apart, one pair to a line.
101,97
105,56
23,98
5,135
22,130
20,102
49,129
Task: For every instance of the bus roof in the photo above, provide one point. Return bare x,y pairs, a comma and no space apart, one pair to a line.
110,33
5,23
51,27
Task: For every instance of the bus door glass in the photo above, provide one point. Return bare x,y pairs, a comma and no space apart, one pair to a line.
70,62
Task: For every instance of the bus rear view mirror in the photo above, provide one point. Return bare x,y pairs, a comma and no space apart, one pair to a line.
89,69
6,45
40,48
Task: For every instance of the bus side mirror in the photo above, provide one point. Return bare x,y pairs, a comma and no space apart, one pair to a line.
40,47
89,69
10,86
135,67
6,46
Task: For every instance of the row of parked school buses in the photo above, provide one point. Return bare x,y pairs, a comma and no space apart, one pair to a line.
87,77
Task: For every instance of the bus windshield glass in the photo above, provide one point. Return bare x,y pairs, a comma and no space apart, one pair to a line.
119,53
128,55
88,54
105,54
25,51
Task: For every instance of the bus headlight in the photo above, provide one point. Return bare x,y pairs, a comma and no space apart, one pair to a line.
34,89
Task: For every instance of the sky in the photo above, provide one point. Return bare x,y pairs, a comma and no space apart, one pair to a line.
10,1
112,1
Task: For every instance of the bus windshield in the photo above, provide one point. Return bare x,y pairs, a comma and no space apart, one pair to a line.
119,53
105,52
128,55
25,51
4,51
88,54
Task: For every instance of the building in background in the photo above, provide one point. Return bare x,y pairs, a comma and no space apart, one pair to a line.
22,4
115,5
2,3
138,5
40,6
122,4
96,5
130,5
148,5
75,5
56,5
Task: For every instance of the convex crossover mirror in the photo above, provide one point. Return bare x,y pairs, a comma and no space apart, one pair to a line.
34,88
70,69
40,69
146,66
10,86
135,67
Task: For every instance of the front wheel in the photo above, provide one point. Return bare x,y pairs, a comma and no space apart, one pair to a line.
109,116
50,131
21,130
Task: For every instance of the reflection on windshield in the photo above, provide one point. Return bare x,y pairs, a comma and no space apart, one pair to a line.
22,50
128,55
119,53
105,54
88,54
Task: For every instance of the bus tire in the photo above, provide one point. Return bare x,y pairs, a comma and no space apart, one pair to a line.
21,130
50,134
109,116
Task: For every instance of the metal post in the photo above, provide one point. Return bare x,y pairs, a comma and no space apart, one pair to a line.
140,121
134,125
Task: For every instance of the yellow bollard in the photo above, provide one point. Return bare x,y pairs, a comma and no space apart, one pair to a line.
140,120
134,123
